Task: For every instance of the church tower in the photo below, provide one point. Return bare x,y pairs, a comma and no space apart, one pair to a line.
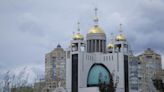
77,47
110,46
78,43
122,49
121,44
96,38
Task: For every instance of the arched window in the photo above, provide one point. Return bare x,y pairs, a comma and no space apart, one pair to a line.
98,74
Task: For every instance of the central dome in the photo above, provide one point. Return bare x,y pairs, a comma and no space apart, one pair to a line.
95,30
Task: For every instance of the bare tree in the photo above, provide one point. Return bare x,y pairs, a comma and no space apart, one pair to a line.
1,86
17,82
6,80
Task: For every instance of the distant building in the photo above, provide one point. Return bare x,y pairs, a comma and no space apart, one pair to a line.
55,71
133,73
55,64
149,65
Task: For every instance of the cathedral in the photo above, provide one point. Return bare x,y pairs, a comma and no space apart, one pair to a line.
93,65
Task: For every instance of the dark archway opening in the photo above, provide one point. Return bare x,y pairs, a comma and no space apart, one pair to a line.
100,76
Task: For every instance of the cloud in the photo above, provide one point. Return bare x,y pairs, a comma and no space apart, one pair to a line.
32,28
29,29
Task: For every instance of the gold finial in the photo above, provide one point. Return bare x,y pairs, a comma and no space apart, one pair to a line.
78,35
73,33
78,27
120,30
111,37
111,45
96,17
120,37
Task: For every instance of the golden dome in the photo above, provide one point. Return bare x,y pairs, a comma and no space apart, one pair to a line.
110,46
120,37
78,36
95,29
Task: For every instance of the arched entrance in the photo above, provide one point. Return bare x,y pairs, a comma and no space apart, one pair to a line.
100,76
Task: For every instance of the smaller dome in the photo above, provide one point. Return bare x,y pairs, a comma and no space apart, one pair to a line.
120,37
95,29
58,46
78,36
110,46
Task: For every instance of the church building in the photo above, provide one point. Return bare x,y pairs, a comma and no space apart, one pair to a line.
93,65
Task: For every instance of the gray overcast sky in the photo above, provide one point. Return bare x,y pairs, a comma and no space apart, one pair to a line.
31,28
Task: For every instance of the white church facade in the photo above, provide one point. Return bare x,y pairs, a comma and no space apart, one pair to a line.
94,66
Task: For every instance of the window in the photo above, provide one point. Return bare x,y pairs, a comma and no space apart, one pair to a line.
98,74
